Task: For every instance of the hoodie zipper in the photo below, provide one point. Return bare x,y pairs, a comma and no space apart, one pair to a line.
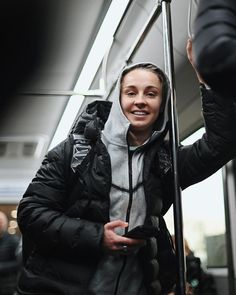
130,154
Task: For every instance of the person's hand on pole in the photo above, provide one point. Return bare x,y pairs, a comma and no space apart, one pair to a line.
190,55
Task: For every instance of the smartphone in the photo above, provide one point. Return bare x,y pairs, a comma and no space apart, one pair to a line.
142,232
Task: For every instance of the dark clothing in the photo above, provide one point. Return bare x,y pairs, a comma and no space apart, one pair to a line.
201,282
193,270
63,213
9,265
214,44
198,281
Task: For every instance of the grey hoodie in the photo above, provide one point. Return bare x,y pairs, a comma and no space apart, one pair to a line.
122,274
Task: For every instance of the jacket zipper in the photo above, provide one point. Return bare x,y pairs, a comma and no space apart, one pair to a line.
127,213
119,276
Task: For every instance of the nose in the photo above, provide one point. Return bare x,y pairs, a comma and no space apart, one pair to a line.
140,99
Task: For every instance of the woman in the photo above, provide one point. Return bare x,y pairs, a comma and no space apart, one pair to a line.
112,174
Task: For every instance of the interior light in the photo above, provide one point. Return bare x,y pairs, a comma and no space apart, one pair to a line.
14,213
13,224
11,231
101,44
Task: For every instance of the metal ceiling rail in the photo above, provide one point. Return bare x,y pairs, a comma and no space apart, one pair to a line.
144,31
155,13
101,92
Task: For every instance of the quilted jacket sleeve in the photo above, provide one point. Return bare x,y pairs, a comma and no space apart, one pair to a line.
216,147
41,212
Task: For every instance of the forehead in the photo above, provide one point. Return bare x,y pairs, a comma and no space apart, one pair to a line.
141,77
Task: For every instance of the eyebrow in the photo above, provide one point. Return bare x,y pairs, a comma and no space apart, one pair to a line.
148,87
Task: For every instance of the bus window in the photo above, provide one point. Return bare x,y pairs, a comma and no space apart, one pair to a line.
203,217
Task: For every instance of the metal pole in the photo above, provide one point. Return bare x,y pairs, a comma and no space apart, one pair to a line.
226,170
174,139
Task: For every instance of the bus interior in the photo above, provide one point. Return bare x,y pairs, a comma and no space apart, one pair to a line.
72,57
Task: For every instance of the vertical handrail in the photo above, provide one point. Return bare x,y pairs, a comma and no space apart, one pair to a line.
174,139
226,170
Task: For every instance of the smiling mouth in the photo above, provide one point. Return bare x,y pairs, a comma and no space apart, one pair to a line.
139,113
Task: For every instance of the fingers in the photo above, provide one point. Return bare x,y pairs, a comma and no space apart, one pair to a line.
116,223
189,50
112,241
117,244
190,55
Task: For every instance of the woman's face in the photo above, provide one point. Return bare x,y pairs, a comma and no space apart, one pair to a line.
141,97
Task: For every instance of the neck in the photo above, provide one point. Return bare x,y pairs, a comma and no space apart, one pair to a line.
136,139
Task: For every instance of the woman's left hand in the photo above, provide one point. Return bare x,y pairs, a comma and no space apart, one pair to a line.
116,244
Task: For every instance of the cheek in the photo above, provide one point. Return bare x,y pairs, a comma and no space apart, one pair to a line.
124,104
156,107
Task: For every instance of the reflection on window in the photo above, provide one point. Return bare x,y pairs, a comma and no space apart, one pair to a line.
203,217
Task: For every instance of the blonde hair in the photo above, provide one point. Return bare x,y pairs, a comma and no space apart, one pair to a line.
187,249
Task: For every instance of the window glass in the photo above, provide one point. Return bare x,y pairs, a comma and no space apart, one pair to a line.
203,217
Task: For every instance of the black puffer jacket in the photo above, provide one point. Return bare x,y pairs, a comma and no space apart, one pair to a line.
62,213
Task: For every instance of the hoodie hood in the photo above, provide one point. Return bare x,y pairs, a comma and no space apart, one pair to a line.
117,125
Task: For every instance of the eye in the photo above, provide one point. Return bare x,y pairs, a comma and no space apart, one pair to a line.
151,94
130,93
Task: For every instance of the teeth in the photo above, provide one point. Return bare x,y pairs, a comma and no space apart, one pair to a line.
139,113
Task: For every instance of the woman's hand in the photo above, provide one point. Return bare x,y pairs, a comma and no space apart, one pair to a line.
189,49
116,244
